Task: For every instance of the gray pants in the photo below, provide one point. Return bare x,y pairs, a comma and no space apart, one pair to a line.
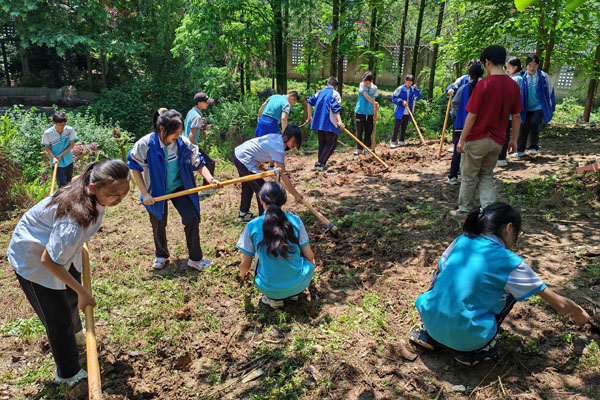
191,222
477,173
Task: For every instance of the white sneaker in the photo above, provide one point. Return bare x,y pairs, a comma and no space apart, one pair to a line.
159,263
201,265
452,181
293,298
401,143
357,152
501,163
393,145
366,153
521,154
80,338
245,217
82,374
533,151
272,303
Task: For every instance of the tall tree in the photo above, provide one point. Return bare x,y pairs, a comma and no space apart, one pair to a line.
401,49
592,86
335,20
374,5
278,34
436,47
413,68
340,54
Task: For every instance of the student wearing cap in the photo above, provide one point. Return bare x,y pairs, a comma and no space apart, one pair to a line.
276,109
194,125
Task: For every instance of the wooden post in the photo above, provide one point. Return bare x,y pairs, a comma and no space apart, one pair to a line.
444,128
93,368
415,123
54,170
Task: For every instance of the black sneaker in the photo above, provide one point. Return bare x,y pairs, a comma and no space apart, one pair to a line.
421,337
317,166
471,358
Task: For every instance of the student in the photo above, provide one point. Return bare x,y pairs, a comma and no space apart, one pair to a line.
461,80
194,125
45,252
477,282
494,98
514,70
275,109
268,148
365,111
58,142
163,162
459,102
326,121
285,260
404,96
539,103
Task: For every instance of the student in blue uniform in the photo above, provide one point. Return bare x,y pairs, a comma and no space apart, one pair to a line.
194,125
269,148
326,121
163,162
461,80
539,103
365,111
59,142
45,253
273,111
285,260
477,282
459,102
515,71
404,96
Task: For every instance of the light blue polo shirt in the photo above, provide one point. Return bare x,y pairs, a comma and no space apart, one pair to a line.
533,100
363,106
59,142
278,278
173,180
193,119
476,276
62,238
276,105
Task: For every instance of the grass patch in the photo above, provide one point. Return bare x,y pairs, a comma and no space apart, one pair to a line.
28,328
590,358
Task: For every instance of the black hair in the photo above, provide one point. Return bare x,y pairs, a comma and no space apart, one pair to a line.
75,200
515,62
492,220
333,81
294,94
59,117
293,131
409,77
496,54
156,115
278,232
170,120
533,58
475,72
368,76
473,61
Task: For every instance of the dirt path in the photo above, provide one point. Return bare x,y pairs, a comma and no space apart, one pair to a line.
178,334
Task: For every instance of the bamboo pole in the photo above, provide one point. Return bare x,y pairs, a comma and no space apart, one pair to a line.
415,123
366,148
373,141
247,178
94,383
444,129
54,171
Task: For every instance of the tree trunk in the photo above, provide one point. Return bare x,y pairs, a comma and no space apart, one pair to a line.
25,64
248,82
242,78
273,62
308,46
286,29
401,50
335,20
436,47
593,86
280,72
372,37
549,47
104,62
340,64
90,76
413,68
539,45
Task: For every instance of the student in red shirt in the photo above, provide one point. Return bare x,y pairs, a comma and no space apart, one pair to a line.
494,98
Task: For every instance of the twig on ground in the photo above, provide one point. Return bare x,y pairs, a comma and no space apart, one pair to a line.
489,372
439,395
502,386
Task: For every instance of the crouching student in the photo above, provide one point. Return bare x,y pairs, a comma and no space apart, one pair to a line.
276,109
45,252
163,162
404,96
285,260
269,148
477,283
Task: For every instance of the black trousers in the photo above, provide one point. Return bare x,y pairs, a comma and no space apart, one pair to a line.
400,122
248,188
327,145
530,129
210,164
64,175
455,164
57,309
502,155
191,226
364,123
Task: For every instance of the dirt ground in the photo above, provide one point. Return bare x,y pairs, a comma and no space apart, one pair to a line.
180,334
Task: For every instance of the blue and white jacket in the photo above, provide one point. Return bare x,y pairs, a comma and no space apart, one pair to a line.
545,91
327,103
409,95
147,156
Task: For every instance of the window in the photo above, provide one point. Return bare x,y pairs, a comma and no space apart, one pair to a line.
345,64
395,54
565,77
297,47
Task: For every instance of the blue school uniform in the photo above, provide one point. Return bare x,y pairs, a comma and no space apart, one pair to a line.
162,165
476,276
409,95
271,115
460,100
539,95
59,142
327,103
193,120
278,278
462,80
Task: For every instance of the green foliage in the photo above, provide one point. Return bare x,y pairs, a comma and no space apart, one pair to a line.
568,111
8,131
28,328
590,359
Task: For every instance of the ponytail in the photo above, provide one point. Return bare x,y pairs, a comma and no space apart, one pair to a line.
491,220
75,200
475,73
278,232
